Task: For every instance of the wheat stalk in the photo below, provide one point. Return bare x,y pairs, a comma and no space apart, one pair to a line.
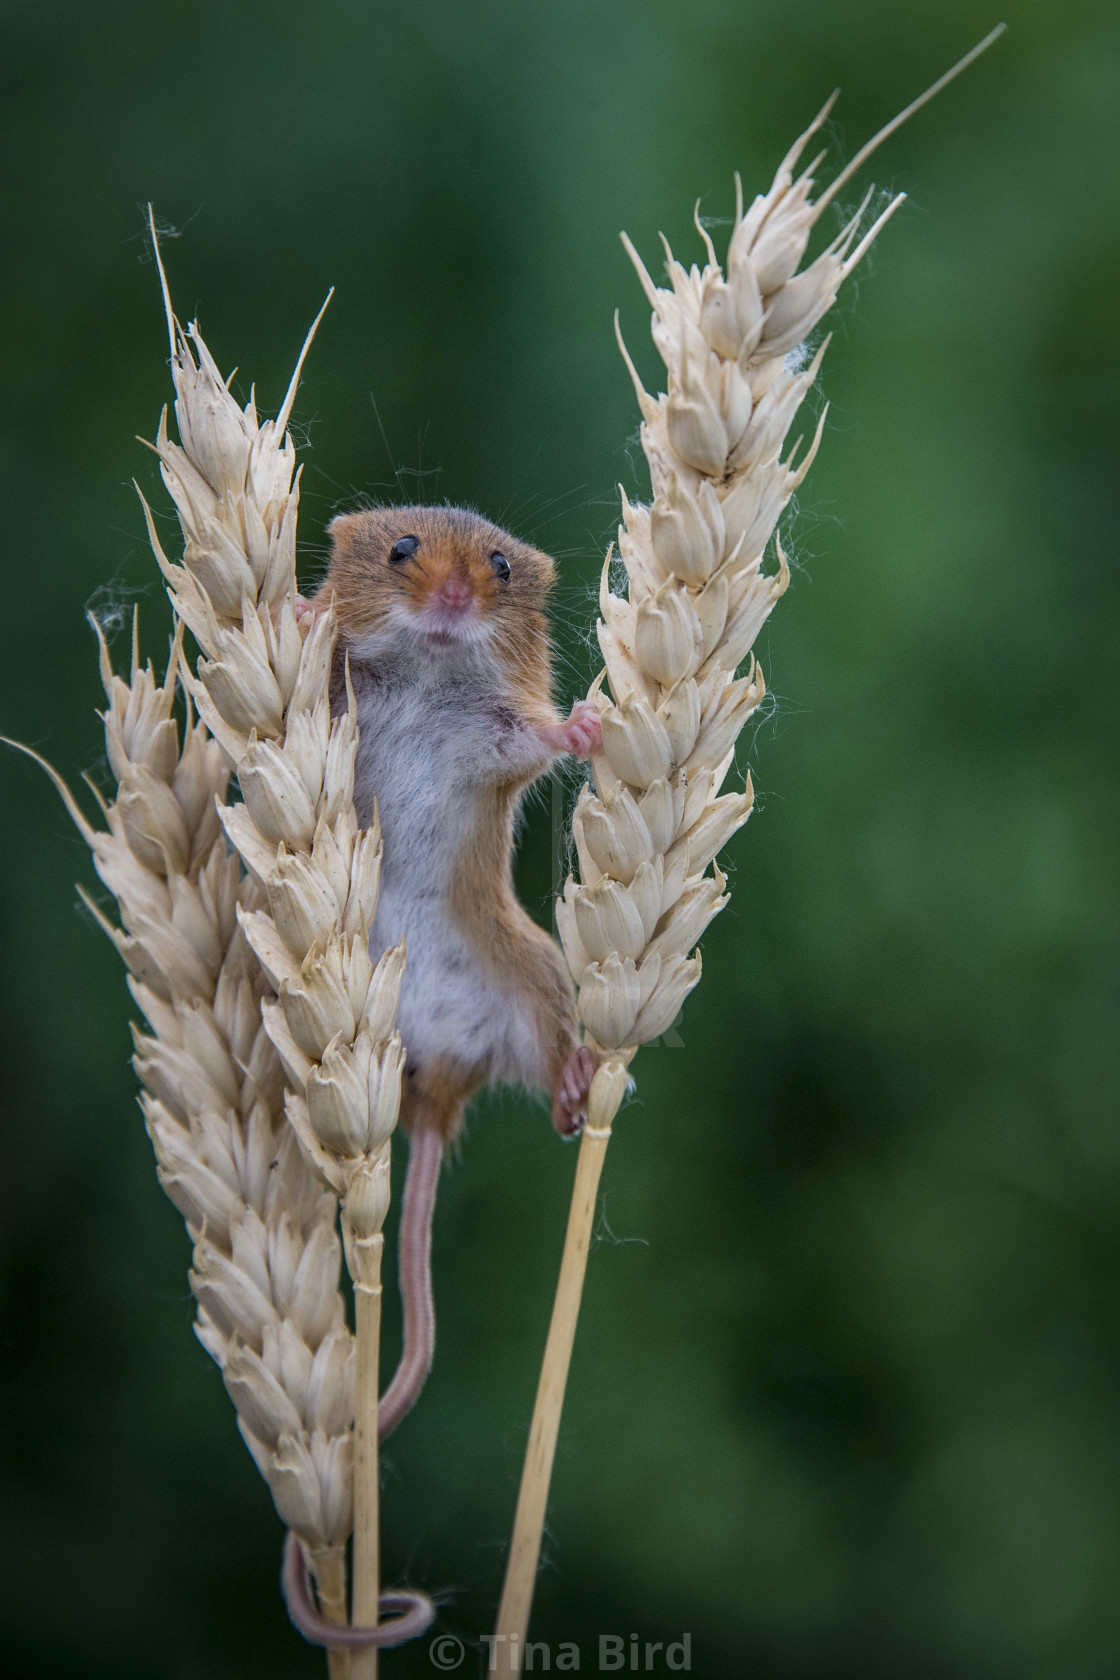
252,980
266,1256
262,687
697,596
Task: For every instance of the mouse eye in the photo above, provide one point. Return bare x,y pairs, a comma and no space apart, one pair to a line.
500,565
403,549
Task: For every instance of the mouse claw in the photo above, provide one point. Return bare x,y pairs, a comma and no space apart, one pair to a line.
569,1100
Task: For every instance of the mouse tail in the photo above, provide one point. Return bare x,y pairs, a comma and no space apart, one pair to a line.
414,1263
409,1613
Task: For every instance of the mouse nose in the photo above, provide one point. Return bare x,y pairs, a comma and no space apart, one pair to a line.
455,593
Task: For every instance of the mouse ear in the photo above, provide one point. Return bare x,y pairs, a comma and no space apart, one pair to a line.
546,567
346,533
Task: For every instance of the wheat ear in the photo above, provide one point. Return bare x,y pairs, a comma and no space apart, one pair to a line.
696,599
266,1256
262,687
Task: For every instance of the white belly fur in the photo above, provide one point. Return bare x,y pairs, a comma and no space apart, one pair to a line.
426,744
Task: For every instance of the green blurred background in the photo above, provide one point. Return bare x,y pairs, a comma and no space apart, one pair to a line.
846,1395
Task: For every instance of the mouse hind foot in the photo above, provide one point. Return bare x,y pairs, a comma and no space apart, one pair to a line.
569,1096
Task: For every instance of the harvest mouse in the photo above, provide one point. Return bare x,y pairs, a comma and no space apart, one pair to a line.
442,626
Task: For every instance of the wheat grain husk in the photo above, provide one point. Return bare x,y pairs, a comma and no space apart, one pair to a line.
734,341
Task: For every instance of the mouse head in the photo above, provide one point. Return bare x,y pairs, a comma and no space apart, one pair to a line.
435,580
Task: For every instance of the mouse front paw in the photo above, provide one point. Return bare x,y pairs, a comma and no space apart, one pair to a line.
581,735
